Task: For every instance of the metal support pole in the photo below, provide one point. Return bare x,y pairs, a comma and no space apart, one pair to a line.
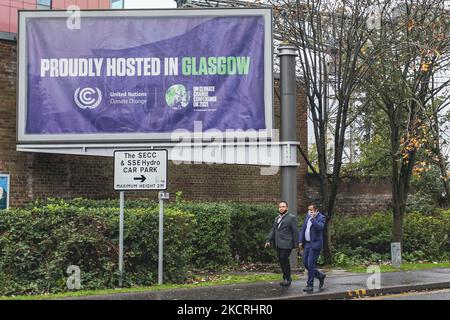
287,54
161,237
122,206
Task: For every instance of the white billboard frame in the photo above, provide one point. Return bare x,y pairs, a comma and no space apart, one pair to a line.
120,176
22,76
8,188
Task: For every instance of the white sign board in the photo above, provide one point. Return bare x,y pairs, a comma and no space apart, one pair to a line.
140,170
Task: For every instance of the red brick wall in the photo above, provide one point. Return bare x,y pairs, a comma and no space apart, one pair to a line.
355,196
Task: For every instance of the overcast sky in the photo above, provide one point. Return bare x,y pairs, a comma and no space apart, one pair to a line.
141,4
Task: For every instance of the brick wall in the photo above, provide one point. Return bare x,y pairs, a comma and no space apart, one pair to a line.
355,196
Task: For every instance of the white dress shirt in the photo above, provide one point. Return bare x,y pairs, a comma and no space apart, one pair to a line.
280,217
308,230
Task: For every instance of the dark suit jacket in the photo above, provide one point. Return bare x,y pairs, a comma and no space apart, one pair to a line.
284,235
316,231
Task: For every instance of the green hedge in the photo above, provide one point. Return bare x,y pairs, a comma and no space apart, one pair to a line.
34,256
228,233
367,238
211,241
39,242
91,204
251,224
226,230
37,246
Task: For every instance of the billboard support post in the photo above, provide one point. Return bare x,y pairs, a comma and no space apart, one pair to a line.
161,239
287,54
161,196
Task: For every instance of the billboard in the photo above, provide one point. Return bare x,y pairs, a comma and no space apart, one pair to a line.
139,75
4,191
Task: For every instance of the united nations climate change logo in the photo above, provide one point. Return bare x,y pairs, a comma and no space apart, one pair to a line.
177,96
87,98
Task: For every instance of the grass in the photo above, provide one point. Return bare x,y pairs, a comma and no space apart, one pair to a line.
404,267
222,279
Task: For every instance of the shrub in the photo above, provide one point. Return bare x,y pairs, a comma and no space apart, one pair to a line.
224,231
211,234
368,237
38,245
421,202
227,231
89,203
373,233
251,224
425,234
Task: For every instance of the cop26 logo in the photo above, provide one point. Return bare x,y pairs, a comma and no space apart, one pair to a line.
178,97
87,98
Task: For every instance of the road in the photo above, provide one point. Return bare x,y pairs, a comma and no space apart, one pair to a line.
428,295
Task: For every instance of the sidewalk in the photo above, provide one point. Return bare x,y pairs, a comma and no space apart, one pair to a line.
338,285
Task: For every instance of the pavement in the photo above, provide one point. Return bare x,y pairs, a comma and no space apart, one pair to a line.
428,295
338,285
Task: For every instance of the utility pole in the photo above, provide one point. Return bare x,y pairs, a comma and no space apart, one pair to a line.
287,54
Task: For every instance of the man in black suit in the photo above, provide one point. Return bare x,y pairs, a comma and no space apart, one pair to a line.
284,235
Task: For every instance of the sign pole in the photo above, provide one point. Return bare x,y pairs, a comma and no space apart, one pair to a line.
141,170
161,196
122,205
161,238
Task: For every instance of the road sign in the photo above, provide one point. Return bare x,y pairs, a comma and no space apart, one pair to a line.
140,170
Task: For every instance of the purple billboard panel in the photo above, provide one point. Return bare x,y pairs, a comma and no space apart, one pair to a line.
143,76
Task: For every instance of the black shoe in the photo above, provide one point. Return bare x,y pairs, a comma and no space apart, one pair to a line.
308,289
322,281
285,283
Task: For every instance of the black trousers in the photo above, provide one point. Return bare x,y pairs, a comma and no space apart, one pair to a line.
283,258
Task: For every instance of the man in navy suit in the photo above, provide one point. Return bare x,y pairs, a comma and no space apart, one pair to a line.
311,243
284,235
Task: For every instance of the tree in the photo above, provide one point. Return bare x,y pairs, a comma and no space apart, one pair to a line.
437,123
330,37
414,43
